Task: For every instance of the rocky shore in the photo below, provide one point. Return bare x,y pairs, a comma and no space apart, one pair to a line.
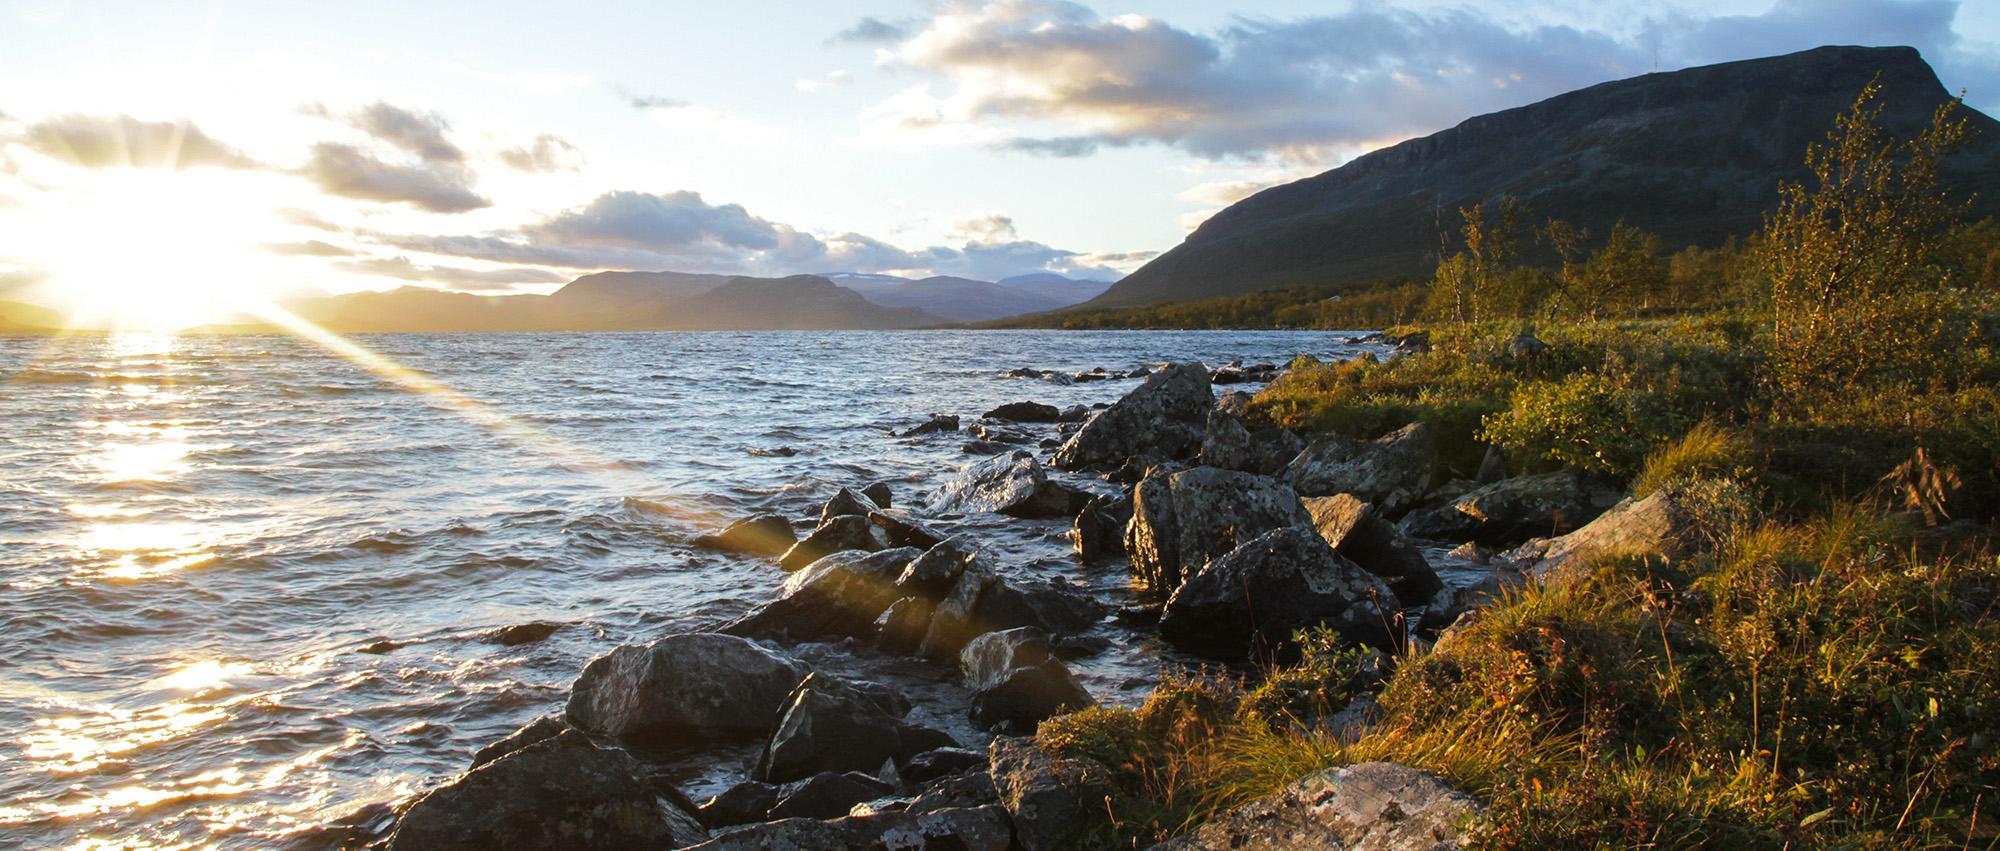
1239,536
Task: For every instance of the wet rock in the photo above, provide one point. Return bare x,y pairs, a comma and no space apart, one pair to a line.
932,574
1052,802
1182,519
1014,485
947,829
1025,412
1016,679
1358,534
828,795
1137,614
1257,595
534,732
562,793
766,535
970,788
1471,552
982,602
1663,524
1080,646
1370,805
901,627
742,803
683,688
1513,510
941,762
838,596
779,452
840,534
828,725
843,503
380,647
1392,472
521,633
1230,444
879,493
901,529
1000,434
937,423
1099,529
1073,414
1163,416
985,447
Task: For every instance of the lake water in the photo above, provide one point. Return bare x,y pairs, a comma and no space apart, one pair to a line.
200,535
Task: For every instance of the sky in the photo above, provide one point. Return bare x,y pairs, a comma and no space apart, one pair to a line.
172,154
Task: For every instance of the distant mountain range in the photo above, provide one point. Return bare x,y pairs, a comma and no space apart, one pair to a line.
1694,156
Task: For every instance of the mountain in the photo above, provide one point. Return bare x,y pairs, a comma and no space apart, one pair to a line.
21,318
1056,287
956,299
1694,156
800,302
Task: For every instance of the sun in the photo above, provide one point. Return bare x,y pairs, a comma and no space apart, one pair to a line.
152,251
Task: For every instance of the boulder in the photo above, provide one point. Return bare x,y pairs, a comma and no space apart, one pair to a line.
838,596
879,493
1513,510
683,688
840,534
903,530
933,574
1182,519
1053,802
937,423
829,725
534,732
1393,471
986,447
901,627
1073,414
1163,416
845,502
1228,443
1257,595
1013,484
1099,529
1370,805
947,829
827,795
768,535
561,793
941,762
1025,412
1016,679
1234,403
982,602
1662,524
742,803
1361,536
969,788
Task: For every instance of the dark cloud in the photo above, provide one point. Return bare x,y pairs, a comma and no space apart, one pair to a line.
673,223
1370,75
871,31
422,134
309,248
349,172
548,152
100,141
452,277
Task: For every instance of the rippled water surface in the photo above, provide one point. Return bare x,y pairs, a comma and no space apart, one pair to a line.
200,537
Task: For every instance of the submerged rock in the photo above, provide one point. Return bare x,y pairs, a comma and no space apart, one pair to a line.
683,688
767,535
521,633
561,793
839,534
1356,533
1013,484
1370,805
1513,510
1392,472
838,596
1257,595
1016,679
937,423
1182,519
1162,417
1025,412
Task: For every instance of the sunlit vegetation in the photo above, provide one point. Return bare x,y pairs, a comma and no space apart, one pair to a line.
1824,672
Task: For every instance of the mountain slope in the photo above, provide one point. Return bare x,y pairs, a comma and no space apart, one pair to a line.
1056,287
957,299
800,302
1694,156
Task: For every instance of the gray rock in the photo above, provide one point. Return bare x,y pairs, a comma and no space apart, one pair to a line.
828,795
1016,679
982,602
1163,416
1513,510
970,788
947,829
742,803
1182,519
901,627
1013,484
901,529
1054,803
1099,529
828,725
937,423
845,502
521,633
1358,534
1025,412
766,535
534,732
1074,414
1392,472
941,762
840,534
1257,595
1379,806
1000,434
879,493
838,596
932,574
1663,524
1234,403
1230,444
561,793
683,688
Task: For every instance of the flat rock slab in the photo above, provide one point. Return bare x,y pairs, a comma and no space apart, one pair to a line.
1372,806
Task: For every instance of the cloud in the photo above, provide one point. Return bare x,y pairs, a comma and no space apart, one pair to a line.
870,31
309,248
651,101
349,172
548,152
990,227
453,277
421,134
1055,78
95,141
832,79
